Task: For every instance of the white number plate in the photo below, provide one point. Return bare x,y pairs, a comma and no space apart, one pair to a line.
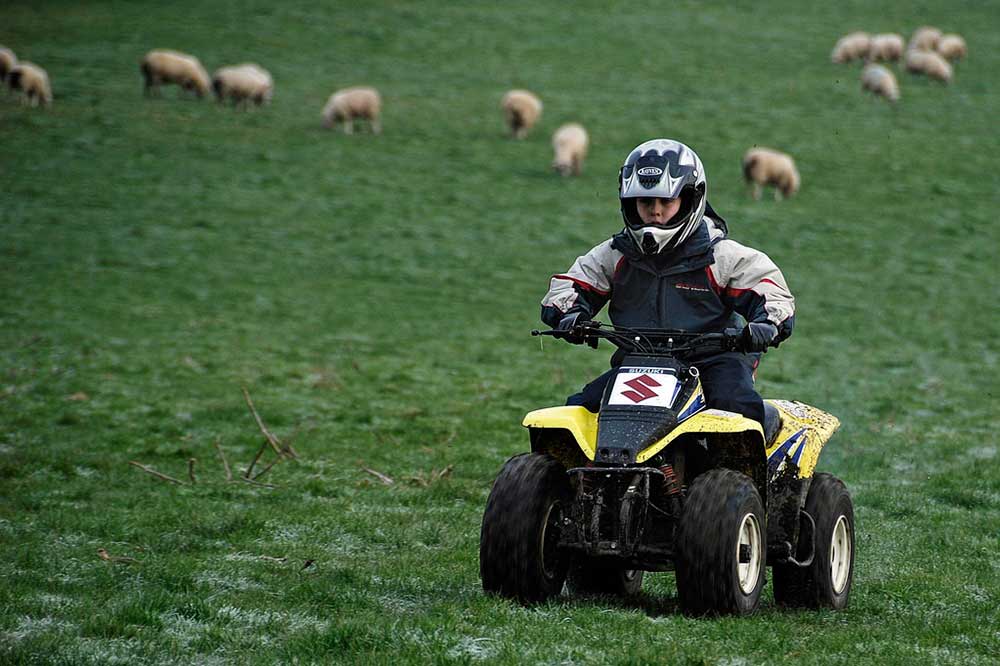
649,387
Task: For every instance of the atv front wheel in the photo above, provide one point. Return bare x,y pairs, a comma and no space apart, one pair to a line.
586,577
519,555
827,581
720,545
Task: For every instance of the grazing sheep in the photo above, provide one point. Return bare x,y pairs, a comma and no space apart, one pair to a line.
521,110
764,166
570,143
886,47
924,39
350,104
880,81
32,81
952,47
929,63
243,84
850,47
7,62
163,66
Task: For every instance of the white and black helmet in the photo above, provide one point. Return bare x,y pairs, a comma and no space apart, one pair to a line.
662,168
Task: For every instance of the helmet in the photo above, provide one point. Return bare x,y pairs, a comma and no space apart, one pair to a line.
662,168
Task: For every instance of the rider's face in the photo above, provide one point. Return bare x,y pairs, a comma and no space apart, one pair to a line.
655,210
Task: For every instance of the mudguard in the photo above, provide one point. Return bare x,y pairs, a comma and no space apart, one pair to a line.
804,431
708,421
580,422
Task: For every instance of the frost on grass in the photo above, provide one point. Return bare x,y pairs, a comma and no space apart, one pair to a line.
222,582
181,629
255,618
30,627
983,452
477,649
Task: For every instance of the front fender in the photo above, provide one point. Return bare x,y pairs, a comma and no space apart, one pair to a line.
714,421
579,422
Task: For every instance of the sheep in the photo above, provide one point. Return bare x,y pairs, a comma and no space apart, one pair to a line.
355,103
880,81
886,46
243,83
521,110
33,81
929,63
764,166
7,62
952,47
570,144
924,39
851,47
164,66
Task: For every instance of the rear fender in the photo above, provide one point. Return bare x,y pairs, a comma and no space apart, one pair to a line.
804,432
567,433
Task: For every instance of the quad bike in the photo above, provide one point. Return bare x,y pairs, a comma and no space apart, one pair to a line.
657,482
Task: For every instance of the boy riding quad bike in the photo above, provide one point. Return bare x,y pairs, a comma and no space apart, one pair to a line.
656,481
671,459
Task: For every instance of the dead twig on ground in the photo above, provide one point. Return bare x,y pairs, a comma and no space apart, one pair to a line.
158,475
260,452
267,469
425,479
108,557
191,464
225,463
275,443
380,476
256,483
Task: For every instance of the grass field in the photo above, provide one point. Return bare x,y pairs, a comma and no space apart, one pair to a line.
374,295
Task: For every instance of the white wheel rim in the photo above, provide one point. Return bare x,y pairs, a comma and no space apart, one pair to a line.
749,541
840,555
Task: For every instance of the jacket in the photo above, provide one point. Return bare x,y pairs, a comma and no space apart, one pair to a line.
698,286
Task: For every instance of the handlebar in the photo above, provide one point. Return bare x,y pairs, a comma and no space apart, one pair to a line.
653,340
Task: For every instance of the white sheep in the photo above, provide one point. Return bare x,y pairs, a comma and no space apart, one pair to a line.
765,166
929,63
880,81
7,62
243,84
521,110
924,39
164,66
886,46
952,47
355,103
32,80
570,143
850,47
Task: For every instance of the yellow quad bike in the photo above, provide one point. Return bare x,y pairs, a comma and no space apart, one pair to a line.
657,482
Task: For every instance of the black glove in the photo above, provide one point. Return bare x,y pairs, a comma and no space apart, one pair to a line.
758,336
566,325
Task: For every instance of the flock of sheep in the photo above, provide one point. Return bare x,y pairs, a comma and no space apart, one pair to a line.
929,52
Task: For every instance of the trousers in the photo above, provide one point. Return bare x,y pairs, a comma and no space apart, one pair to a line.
727,380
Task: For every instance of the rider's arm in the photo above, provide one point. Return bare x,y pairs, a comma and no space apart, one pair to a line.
749,282
584,288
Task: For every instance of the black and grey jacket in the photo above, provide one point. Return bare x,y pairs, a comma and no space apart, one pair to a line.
696,287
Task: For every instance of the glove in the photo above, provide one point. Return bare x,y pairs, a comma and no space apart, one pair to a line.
566,325
758,336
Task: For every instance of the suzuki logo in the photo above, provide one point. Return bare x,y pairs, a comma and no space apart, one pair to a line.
642,391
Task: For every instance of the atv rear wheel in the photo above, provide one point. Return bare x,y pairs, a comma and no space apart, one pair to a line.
827,581
587,577
721,545
519,555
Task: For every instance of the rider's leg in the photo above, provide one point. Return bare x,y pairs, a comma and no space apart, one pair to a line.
590,396
728,383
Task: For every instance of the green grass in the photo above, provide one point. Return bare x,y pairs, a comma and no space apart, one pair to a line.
374,295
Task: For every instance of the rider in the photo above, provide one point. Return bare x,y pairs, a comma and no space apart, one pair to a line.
672,266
